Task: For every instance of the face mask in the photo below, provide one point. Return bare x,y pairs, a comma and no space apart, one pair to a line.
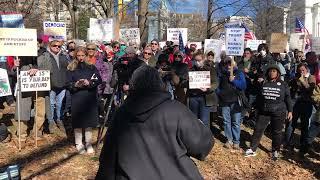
246,59
199,63
263,53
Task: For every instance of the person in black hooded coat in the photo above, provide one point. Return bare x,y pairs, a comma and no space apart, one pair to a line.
152,136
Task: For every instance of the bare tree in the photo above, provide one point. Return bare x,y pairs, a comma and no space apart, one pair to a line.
73,8
143,19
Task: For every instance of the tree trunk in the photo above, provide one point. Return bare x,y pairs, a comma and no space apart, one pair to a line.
143,19
209,18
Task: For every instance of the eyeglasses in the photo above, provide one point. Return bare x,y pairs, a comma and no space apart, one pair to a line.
148,53
91,49
154,43
58,46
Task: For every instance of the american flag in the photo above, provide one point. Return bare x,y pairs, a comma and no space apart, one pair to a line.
300,28
248,35
181,46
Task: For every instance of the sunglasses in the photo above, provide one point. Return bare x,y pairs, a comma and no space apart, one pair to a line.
178,56
91,49
210,54
148,53
154,43
56,46
116,47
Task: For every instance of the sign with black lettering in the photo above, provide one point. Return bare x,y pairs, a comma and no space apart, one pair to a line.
39,82
199,79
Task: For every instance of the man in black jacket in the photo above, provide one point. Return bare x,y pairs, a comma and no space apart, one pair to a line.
152,136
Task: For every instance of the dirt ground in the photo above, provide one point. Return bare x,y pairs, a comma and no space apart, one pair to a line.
56,158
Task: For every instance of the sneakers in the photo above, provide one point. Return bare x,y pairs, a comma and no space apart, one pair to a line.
80,148
275,155
250,153
90,149
228,145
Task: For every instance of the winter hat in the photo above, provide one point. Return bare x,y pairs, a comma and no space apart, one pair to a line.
156,40
272,66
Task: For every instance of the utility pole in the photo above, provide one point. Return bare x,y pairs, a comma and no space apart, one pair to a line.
209,18
143,19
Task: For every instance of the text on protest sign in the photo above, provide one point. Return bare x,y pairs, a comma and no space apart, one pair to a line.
18,42
55,30
199,79
253,44
236,24
101,29
296,41
131,35
173,35
235,41
11,21
39,82
5,89
214,45
278,43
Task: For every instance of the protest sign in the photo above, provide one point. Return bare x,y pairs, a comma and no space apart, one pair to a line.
173,35
253,44
101,29
11,21
39,82
55,30
131,35
162,44
278,43
215,45
5,89
316,44
197,45
199,79
18,42
296,41
235,24
234,41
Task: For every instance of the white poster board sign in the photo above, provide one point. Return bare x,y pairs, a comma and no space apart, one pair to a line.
131,35
55,30
162,44
173,35
101,29
316,44
5,89
198,45
253,44
199,79
296,41
214,45
18,42
235,41
39,82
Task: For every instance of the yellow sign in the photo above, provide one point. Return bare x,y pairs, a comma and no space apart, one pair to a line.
18,42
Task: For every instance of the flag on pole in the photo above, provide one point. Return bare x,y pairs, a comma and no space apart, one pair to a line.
181,46
248,35
300,28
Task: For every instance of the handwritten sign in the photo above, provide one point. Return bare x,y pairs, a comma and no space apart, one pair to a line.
11,21
39,82
173,35
18,42
253,44
278,43
131,35
5,89
55,30
199,79
101,29
214,45
296,41
235,41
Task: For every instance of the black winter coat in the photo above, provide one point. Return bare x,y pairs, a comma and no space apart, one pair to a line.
84,101
153,137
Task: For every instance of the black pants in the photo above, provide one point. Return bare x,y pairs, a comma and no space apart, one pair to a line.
277,120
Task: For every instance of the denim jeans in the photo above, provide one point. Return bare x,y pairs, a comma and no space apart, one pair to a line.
56,100
198,106
232,121
314,129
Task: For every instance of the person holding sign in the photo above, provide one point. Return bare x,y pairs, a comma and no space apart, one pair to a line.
232,81
82,80
202,99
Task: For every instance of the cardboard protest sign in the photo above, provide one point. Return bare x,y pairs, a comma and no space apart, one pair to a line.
131,35
5,89
199,79
39,82
18,42
55,30
278,43
235,41
101,29
296,41
173,35
316,44
215,45
253,44
197,45
11,21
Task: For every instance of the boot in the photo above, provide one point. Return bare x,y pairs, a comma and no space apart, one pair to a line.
61,126
52,127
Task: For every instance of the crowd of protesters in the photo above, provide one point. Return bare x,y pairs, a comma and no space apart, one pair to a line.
260,88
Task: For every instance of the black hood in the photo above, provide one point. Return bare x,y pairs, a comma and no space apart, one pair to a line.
141,106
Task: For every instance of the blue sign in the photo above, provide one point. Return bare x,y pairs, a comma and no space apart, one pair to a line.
11,21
